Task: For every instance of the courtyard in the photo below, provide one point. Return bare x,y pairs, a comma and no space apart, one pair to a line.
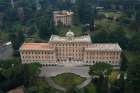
51,71
64,77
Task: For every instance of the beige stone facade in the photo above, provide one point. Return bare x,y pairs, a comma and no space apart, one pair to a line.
65,17
70,50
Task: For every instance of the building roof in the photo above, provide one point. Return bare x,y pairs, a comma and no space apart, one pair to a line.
93,47
104,47
56,38
62,13
70,34
17,90
35,46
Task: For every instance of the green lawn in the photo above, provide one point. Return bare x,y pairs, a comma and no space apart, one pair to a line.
3,36
111,13
68,80
91,88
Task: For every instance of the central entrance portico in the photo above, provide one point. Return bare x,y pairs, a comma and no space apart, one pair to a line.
70,62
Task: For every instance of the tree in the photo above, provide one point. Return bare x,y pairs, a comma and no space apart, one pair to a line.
84,11
31,71
117,35
7,73
102,70
13,73
92,18
137,17
17,40
91,25
99,37
102,85
10,74
122,83
135,42
119,85
46,26
133,77
124,62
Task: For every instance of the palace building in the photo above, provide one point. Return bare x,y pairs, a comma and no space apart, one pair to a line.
70,50
64,17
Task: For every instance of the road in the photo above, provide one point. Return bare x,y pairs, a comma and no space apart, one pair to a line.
52,84
6,52
85,83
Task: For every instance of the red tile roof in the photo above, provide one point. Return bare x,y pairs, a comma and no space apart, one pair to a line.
35,46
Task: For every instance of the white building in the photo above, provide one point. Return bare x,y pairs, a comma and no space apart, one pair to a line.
64,17
70,50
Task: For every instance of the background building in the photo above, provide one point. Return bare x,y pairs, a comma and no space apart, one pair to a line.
70,50
64,17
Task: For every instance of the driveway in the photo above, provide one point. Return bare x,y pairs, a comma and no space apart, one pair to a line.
52,84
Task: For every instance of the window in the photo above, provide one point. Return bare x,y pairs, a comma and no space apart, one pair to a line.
45,52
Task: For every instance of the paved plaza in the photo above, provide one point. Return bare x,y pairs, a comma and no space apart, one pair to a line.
50,71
